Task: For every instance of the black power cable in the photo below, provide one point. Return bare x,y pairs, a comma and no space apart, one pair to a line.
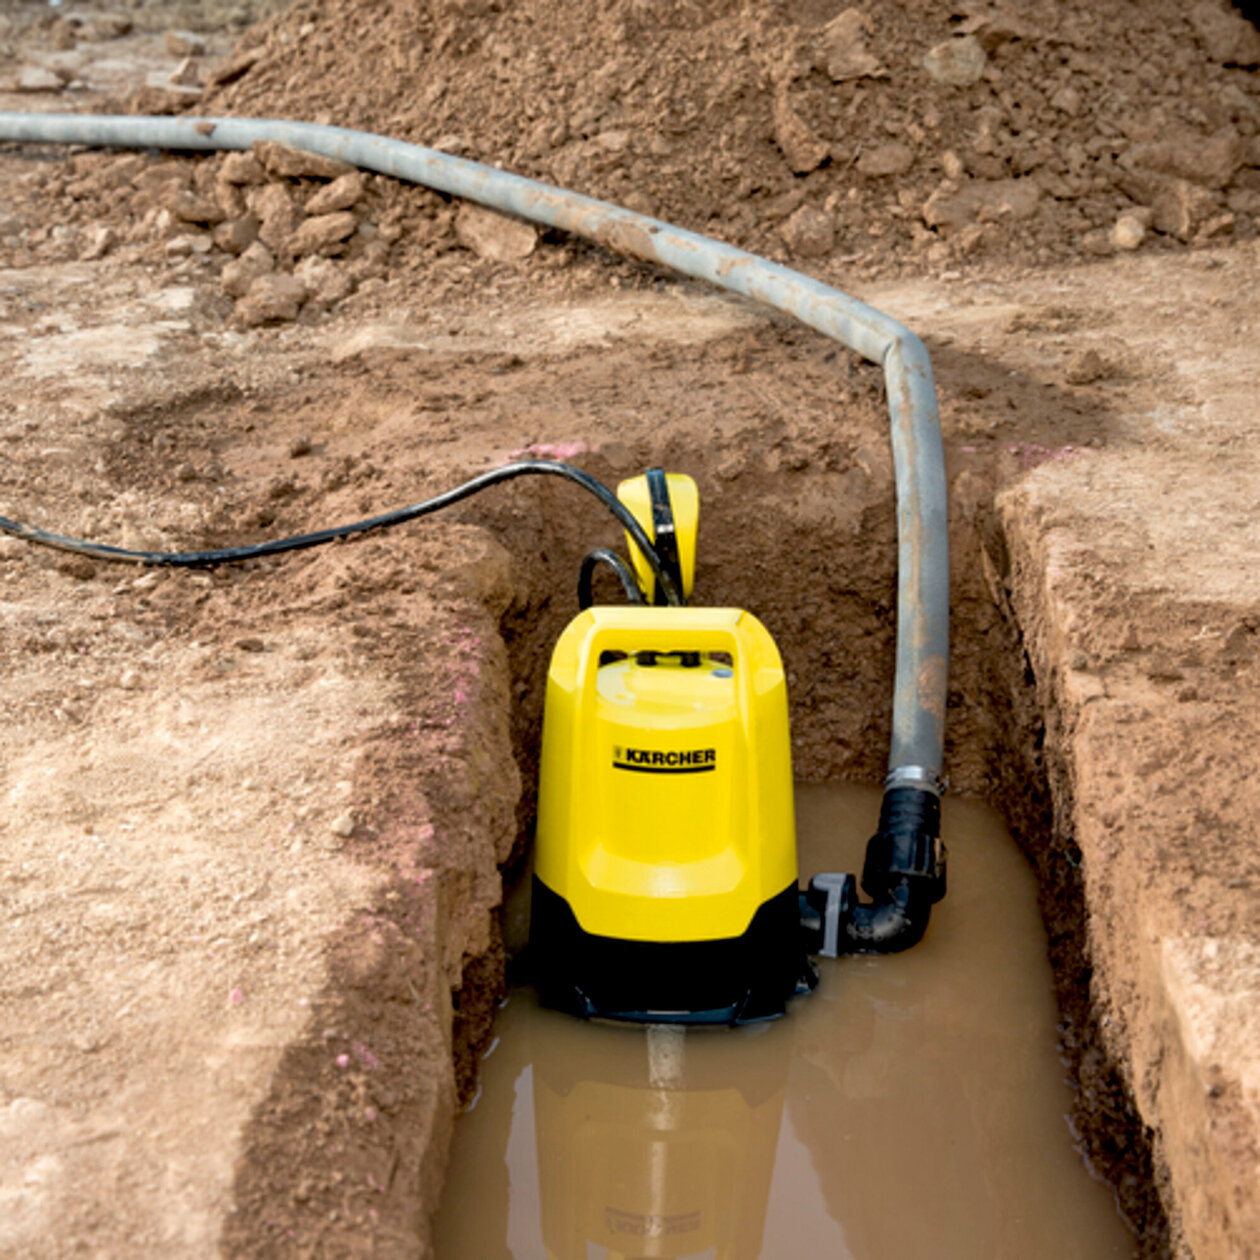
586,574
299,542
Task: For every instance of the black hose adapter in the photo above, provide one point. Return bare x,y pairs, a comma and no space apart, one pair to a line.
904,873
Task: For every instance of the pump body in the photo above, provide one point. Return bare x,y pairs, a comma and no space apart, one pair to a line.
665,878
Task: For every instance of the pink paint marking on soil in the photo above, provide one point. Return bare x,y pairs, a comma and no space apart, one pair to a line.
551,450
370,1061
1030,454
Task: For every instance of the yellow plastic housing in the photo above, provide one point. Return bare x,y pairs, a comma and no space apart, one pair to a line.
684,499
665,808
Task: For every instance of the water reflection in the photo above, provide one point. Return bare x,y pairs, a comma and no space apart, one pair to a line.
912,1107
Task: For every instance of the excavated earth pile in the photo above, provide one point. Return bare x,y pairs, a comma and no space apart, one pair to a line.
257,818
889,135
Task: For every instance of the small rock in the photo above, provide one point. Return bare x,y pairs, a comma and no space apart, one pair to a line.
162,102
1097,242
231,199
803,150
251,645
24,1115
108,26
952,165
191,207
233,68
1207,160
341,194
969,241
236,235
189,243
185,472
183,44
242,168
1227,36
343,825
1068,100
982,200
78,567
322,233
290,163
326,283
494,236
276,298
1086,367
957,62
614,141
845,52
187,73
277,214
809,233
1180,207
300,446
100,240
886,159
1128,232
240,273
129,679
37,79
1218,225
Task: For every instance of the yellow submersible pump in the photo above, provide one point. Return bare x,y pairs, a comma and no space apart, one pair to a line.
665,885
665,873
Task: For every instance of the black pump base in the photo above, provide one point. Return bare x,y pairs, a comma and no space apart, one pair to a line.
737,980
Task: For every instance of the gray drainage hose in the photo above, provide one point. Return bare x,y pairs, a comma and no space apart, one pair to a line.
906,850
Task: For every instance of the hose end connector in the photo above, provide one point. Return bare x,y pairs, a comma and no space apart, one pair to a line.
907,846
904,875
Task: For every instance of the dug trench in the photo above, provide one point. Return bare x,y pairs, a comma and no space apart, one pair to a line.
821,575
786,436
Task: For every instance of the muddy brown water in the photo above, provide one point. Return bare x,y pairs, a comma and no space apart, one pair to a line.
912,1107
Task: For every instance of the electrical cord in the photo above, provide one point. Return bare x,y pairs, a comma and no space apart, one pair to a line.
586,574
300,542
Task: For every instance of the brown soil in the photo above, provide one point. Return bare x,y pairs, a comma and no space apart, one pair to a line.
728,118
224,1019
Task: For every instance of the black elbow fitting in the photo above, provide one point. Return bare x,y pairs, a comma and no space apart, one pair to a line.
888,926
904,873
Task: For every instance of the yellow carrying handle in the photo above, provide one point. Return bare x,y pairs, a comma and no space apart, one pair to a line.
664,630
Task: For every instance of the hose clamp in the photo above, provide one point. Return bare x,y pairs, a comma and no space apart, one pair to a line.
917,777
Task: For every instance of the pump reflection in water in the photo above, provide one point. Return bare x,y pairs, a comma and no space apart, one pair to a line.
912,1108
662,1150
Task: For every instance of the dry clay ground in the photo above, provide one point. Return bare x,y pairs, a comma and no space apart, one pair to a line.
253,818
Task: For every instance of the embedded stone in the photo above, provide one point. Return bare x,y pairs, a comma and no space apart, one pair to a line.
494,236
809,233
341,194
290,163
803,150
322,232
957,62
886,159
272,299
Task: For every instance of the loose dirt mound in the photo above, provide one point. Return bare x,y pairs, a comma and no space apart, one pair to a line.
903,132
